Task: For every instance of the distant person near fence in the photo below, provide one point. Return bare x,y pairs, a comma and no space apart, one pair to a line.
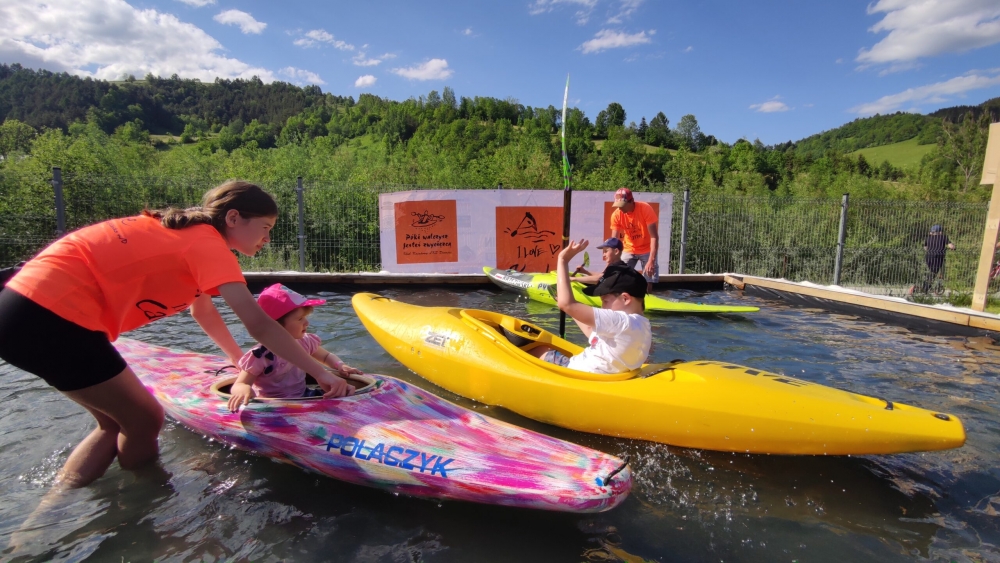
935,246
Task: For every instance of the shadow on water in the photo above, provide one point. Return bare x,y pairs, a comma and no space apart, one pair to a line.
210,502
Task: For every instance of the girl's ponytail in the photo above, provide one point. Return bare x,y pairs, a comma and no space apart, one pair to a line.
173,218
246,198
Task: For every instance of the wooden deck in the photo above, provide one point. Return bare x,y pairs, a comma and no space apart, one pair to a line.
859,301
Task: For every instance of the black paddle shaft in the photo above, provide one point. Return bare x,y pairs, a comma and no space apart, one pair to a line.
567,205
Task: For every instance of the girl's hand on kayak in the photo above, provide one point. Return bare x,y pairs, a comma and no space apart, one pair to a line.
241,393
334,387
346,370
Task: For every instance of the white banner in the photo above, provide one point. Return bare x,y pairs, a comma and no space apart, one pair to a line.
460,231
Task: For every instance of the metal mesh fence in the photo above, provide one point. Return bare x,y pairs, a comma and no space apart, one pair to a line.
27,216
795,239
884,251
767,237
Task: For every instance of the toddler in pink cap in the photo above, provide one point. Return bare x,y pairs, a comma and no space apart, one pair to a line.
265,375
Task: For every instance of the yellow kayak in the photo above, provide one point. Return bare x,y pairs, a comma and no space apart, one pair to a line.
702,404
542,288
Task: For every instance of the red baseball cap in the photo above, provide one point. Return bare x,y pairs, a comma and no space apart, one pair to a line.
277,301
622,196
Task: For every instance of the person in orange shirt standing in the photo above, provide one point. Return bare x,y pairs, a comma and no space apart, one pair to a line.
91,285
635,224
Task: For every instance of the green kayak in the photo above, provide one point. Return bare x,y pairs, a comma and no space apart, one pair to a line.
542,287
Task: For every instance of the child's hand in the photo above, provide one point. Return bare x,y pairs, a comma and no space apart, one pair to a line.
572,249
241,395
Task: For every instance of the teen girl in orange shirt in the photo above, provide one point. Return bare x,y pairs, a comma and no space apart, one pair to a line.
95,283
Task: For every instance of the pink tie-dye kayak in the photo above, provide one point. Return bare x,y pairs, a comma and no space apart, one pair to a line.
394,436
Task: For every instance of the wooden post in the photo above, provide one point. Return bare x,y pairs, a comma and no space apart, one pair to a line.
57,187
992,219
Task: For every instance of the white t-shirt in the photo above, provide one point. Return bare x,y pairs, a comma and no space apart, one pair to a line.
620,342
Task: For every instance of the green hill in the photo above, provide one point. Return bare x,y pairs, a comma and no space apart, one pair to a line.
889,130
906,154
868,132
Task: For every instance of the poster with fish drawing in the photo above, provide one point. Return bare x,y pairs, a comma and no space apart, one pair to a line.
528,238
426,232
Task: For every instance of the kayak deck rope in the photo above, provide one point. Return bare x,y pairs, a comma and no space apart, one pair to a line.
606,480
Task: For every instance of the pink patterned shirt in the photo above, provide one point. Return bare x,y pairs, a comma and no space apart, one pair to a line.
277,377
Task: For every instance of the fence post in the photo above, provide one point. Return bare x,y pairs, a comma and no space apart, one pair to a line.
57,187
302,224
684,229
840,240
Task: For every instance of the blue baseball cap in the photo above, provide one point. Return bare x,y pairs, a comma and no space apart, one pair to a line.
612,242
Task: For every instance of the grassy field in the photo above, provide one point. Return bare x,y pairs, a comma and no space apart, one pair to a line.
906,154
649,148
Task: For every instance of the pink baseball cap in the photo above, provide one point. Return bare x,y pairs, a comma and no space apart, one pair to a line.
277,301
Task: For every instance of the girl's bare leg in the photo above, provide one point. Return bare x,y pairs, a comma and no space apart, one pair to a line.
129,420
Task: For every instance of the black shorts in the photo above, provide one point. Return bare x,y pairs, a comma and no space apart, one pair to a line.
934,263
64,354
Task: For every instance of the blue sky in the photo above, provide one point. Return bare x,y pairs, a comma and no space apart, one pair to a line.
777,71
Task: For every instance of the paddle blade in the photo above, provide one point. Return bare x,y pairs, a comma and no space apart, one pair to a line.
586,259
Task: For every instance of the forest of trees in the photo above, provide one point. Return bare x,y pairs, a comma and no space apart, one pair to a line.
172,127
136,142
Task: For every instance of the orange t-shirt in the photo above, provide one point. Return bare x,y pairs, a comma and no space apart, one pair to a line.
124,273
634,227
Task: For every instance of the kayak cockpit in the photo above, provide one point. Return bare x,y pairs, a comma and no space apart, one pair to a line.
518,337
362,384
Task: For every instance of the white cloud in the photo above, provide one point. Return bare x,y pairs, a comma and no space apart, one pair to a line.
197,3
625,10
688,49
300,76
467,31
607,39
897,67
771,106
361,59
434,69
107,39
931,27
937,93
244,20
365,81
314,36
586,7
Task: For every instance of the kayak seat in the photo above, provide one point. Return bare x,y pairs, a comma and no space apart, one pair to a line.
513,337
